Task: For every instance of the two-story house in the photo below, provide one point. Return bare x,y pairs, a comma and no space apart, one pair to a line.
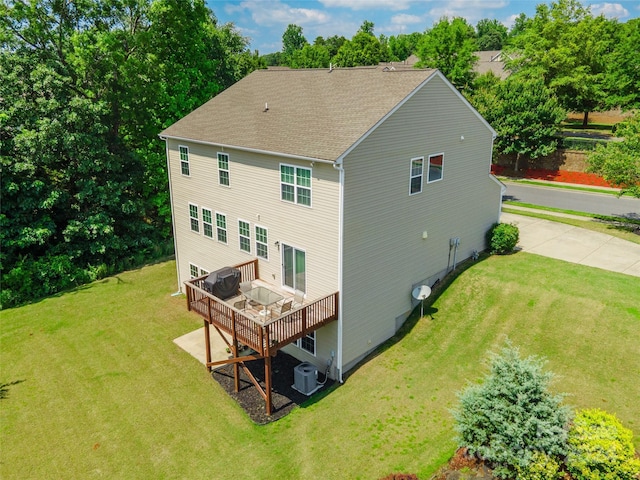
350,185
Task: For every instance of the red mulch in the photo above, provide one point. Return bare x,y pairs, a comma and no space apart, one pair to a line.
563,176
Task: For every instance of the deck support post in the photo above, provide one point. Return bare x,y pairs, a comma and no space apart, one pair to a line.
236,366
207,344
267,369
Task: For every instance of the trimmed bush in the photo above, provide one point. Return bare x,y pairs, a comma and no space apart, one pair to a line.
512,415
600,448
541,467
503,237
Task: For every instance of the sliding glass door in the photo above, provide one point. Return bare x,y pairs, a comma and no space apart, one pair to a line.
293,268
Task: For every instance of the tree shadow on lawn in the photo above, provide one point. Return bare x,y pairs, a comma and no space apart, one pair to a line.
4,388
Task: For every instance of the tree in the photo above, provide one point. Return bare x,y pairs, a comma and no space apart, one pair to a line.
566,46
526,115
619,162
491,34
512,414
403,45
310,56
450,47
85,89
292,41
623,67
363,49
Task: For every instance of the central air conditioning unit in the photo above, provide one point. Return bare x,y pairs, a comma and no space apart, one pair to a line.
305,378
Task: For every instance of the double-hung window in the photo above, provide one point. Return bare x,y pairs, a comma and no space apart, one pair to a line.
244,233
295,184
436,165
223,169
207,223
221,227
262,243
308,343
193,270
193,216
415,181
184,160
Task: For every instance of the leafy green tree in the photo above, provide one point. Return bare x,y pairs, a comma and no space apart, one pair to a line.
491,34
363,49
403,45
292,41
525,115
85,88
512,414
310,56
333,44
623,67
567,47
619,162
449,46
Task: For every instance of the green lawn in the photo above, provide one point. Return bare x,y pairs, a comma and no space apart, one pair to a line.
104,393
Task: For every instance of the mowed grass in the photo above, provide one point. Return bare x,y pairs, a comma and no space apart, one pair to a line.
103,391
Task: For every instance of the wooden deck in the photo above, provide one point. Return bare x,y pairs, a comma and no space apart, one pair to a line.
265,337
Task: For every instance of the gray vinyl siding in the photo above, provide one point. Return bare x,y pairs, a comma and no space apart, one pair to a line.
254,196
384,252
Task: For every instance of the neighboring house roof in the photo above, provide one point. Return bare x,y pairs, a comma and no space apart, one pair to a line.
312,113
488,61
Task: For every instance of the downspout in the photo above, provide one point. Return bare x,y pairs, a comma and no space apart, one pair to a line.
173,219
338,166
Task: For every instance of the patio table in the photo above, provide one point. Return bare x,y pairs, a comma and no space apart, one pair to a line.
263,296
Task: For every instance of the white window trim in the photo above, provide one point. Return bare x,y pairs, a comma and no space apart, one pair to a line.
240,236
255,227
286,287
206,223
295,184
412,176
222,169
194,218
298,343
188,161
429,166
226,228
191,267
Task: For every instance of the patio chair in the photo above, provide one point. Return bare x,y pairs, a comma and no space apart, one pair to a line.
240,304
298,297
286,306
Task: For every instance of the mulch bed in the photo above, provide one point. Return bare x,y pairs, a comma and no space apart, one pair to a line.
284,397
562,176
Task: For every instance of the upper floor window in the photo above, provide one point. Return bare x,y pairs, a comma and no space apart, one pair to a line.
244,232
223,168
184,160
415,181
193,215
221,227
207,225
295,184
436,165
262,244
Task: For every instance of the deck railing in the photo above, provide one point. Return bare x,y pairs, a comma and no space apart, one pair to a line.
268,337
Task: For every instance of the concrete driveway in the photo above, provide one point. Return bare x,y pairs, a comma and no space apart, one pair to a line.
576,245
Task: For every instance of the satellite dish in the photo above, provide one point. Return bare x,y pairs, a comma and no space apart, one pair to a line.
420,293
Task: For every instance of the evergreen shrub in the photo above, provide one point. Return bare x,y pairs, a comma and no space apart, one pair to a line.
512,415
503,237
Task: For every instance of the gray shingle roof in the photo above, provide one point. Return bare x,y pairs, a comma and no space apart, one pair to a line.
314,113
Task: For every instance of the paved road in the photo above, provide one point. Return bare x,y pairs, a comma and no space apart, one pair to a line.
598,203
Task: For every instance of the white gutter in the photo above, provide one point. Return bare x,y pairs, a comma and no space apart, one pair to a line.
247,149
173,219
338,166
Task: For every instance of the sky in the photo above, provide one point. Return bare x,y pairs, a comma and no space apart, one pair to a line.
264,21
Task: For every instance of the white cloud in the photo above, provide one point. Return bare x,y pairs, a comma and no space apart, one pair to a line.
276,13
471,10
510,21
369,4
609,10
